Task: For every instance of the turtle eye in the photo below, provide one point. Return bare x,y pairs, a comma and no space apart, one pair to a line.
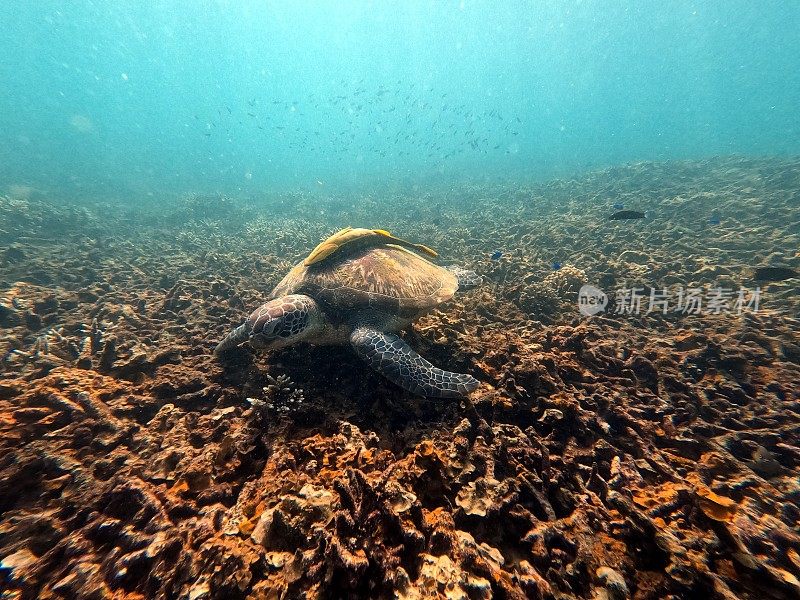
263,323
269,327
265,332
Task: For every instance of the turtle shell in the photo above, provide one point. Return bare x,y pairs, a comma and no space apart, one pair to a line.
387,277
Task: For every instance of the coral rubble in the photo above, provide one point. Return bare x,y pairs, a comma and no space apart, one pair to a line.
619,456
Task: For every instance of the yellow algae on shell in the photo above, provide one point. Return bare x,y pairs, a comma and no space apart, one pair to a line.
349,234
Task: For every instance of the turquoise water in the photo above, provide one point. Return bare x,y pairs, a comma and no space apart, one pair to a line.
124,99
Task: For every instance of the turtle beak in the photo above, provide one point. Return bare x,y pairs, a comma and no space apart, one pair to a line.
233,339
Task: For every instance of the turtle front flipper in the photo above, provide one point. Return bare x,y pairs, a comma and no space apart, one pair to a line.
390,356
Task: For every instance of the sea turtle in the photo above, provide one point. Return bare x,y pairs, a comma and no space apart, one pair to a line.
360,286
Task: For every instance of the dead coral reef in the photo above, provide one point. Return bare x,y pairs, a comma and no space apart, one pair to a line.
620,456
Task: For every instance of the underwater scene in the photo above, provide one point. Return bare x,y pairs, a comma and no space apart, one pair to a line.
399,299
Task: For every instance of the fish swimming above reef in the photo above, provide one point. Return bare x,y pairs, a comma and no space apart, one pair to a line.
618,206
623,215
496,255
774,273
359,287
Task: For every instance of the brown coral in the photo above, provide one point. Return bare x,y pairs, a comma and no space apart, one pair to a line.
617,456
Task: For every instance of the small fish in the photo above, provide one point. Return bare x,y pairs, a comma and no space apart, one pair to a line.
556,266
619,206
496,255
714,220
774,273
626,214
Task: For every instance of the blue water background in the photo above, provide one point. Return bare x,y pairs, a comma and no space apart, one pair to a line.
127,99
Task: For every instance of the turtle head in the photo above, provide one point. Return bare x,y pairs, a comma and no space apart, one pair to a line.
276,324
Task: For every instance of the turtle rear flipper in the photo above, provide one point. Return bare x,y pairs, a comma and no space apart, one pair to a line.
390,356
466,279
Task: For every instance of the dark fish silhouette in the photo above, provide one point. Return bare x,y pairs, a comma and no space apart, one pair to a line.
626,214
497,255
556,266
714,220
619,206
774,273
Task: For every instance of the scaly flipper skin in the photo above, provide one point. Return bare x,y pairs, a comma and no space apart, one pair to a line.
390,356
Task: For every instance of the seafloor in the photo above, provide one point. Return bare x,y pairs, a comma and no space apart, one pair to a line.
643,456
